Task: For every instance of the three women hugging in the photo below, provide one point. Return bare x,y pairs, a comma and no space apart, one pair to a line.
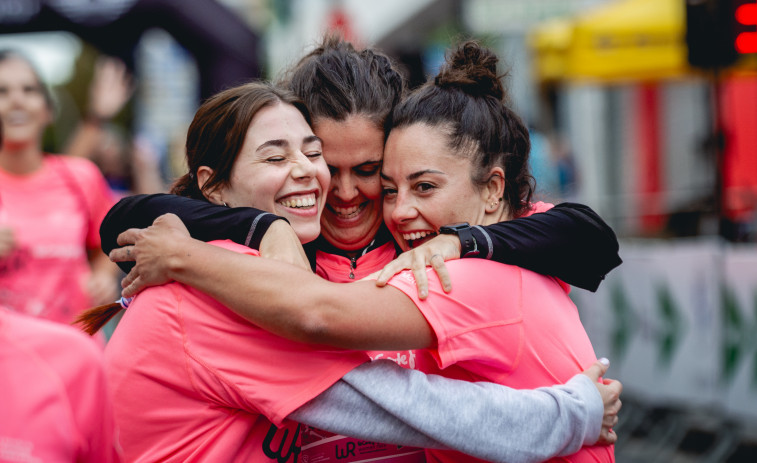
222,353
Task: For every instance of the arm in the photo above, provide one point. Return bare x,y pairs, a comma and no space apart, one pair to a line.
569,241
110,89
310,310
204,220
381,401
102,284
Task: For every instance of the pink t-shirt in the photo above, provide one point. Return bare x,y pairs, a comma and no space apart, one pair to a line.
196,382
325,447
506,325
55,213
54,402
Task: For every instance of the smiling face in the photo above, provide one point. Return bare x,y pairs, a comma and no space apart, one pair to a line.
353,149
24,109
279,169
426,186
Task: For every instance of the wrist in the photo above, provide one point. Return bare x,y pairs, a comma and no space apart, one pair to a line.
468,244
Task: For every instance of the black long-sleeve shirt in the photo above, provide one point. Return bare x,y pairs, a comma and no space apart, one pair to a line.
569,241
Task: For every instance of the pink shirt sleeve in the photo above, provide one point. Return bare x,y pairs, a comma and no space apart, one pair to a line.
473,316
256,370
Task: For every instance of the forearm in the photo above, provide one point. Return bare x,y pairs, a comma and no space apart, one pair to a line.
383,402
569,241
205,221
299,305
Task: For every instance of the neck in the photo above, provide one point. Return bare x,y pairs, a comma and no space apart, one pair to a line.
21,160
500,215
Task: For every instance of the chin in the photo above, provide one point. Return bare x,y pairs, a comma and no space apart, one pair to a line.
308,233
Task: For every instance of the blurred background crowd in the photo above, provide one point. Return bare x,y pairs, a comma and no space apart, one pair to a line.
646,110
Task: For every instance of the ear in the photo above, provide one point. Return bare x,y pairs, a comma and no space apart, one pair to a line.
494,190
203,174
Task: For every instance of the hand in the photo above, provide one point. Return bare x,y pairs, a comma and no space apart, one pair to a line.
7,241
280,242
434,253
610,390
111,88
153,249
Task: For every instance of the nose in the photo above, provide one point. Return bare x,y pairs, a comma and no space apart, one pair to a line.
402,209
303,167
343,187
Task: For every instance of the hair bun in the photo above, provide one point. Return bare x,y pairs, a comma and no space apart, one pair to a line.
473,69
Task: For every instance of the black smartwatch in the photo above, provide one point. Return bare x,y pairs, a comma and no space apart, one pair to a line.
468,245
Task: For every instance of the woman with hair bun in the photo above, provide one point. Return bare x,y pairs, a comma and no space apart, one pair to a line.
456,154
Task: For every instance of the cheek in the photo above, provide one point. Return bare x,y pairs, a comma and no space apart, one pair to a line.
323,176
388,208
370,188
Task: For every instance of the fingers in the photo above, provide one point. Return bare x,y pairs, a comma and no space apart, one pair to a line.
132,288
437,262
129,278
124,254
129,236
389,270
607,437
421,278
597,369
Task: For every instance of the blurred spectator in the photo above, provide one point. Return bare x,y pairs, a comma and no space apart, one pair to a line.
129,166
543,167
55,402
51,206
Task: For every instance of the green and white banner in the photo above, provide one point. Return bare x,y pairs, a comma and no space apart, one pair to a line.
678,320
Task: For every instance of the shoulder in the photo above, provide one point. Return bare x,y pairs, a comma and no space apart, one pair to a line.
84,171
232,246
537,207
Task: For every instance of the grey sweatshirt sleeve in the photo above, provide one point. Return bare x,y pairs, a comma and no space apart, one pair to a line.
383,402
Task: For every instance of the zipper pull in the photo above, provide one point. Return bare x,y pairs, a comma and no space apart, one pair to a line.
353,265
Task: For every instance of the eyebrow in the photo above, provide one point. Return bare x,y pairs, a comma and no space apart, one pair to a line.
279,142
414,175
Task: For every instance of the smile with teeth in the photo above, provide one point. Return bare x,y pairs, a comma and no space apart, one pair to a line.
304,201
417,235
17,117
346,212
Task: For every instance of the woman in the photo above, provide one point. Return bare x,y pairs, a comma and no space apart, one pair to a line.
50,209
351,94
196,382
455,153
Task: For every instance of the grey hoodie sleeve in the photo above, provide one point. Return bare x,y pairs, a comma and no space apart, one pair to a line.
383,402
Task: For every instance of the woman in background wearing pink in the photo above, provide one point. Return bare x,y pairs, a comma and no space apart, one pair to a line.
51,207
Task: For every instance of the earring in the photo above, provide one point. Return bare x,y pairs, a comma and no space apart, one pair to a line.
224,203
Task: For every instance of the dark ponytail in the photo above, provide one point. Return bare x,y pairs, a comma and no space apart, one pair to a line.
467,98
